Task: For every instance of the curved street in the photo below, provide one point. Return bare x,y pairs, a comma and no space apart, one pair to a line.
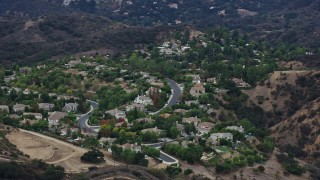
83,120
176,93
174,99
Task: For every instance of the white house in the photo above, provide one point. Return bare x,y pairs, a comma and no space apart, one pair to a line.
236,128
204,127
143,100
117,113
19,107
55,117
240,83
195,78
70,107
190,120
155,130
215,137
38,116
133,106
45,106
4,108
133,147
189,103
145,120
197,90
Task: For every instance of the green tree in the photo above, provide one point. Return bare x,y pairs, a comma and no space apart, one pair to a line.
150,151
93,156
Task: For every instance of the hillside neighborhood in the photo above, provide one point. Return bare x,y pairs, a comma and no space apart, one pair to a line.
161,107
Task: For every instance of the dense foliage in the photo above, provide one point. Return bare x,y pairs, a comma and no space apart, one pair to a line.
35,169
93,156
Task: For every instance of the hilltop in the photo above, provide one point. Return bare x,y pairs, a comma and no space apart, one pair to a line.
273,20
30,40
291,101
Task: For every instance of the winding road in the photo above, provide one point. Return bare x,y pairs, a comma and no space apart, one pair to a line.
176,93
83,119
174,99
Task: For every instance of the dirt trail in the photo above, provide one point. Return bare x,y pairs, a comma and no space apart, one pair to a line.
51,150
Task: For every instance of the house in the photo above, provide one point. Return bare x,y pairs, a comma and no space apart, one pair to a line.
212,80
25,70
204,127
26,91
215,137
145,74
117,113
64,131
133,147
145,120
45,106
133,106
65,97
73,63
70,107
41,66
180,128
153,90
220,91
165,115
189,103
180,111
55,117
157,83
14,116
190,120
29,121
38,116
4,108
7,79
143,100
53,95
235,128
173,6
19,107
240,83
155,130
195,78
103,141
166,51
121,124
197,90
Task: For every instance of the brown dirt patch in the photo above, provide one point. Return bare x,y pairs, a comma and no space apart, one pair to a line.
50,150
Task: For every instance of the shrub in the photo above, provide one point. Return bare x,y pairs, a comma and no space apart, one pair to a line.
173,171
187,172
93,156
261,168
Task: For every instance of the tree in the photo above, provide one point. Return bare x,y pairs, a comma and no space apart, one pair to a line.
250,159
150,151
116,151
261,168
187,172
173,171
93,156
174,132
105,131
91,142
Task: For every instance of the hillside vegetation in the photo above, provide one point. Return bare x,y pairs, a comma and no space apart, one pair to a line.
289,21
15,165
55,36
292,105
